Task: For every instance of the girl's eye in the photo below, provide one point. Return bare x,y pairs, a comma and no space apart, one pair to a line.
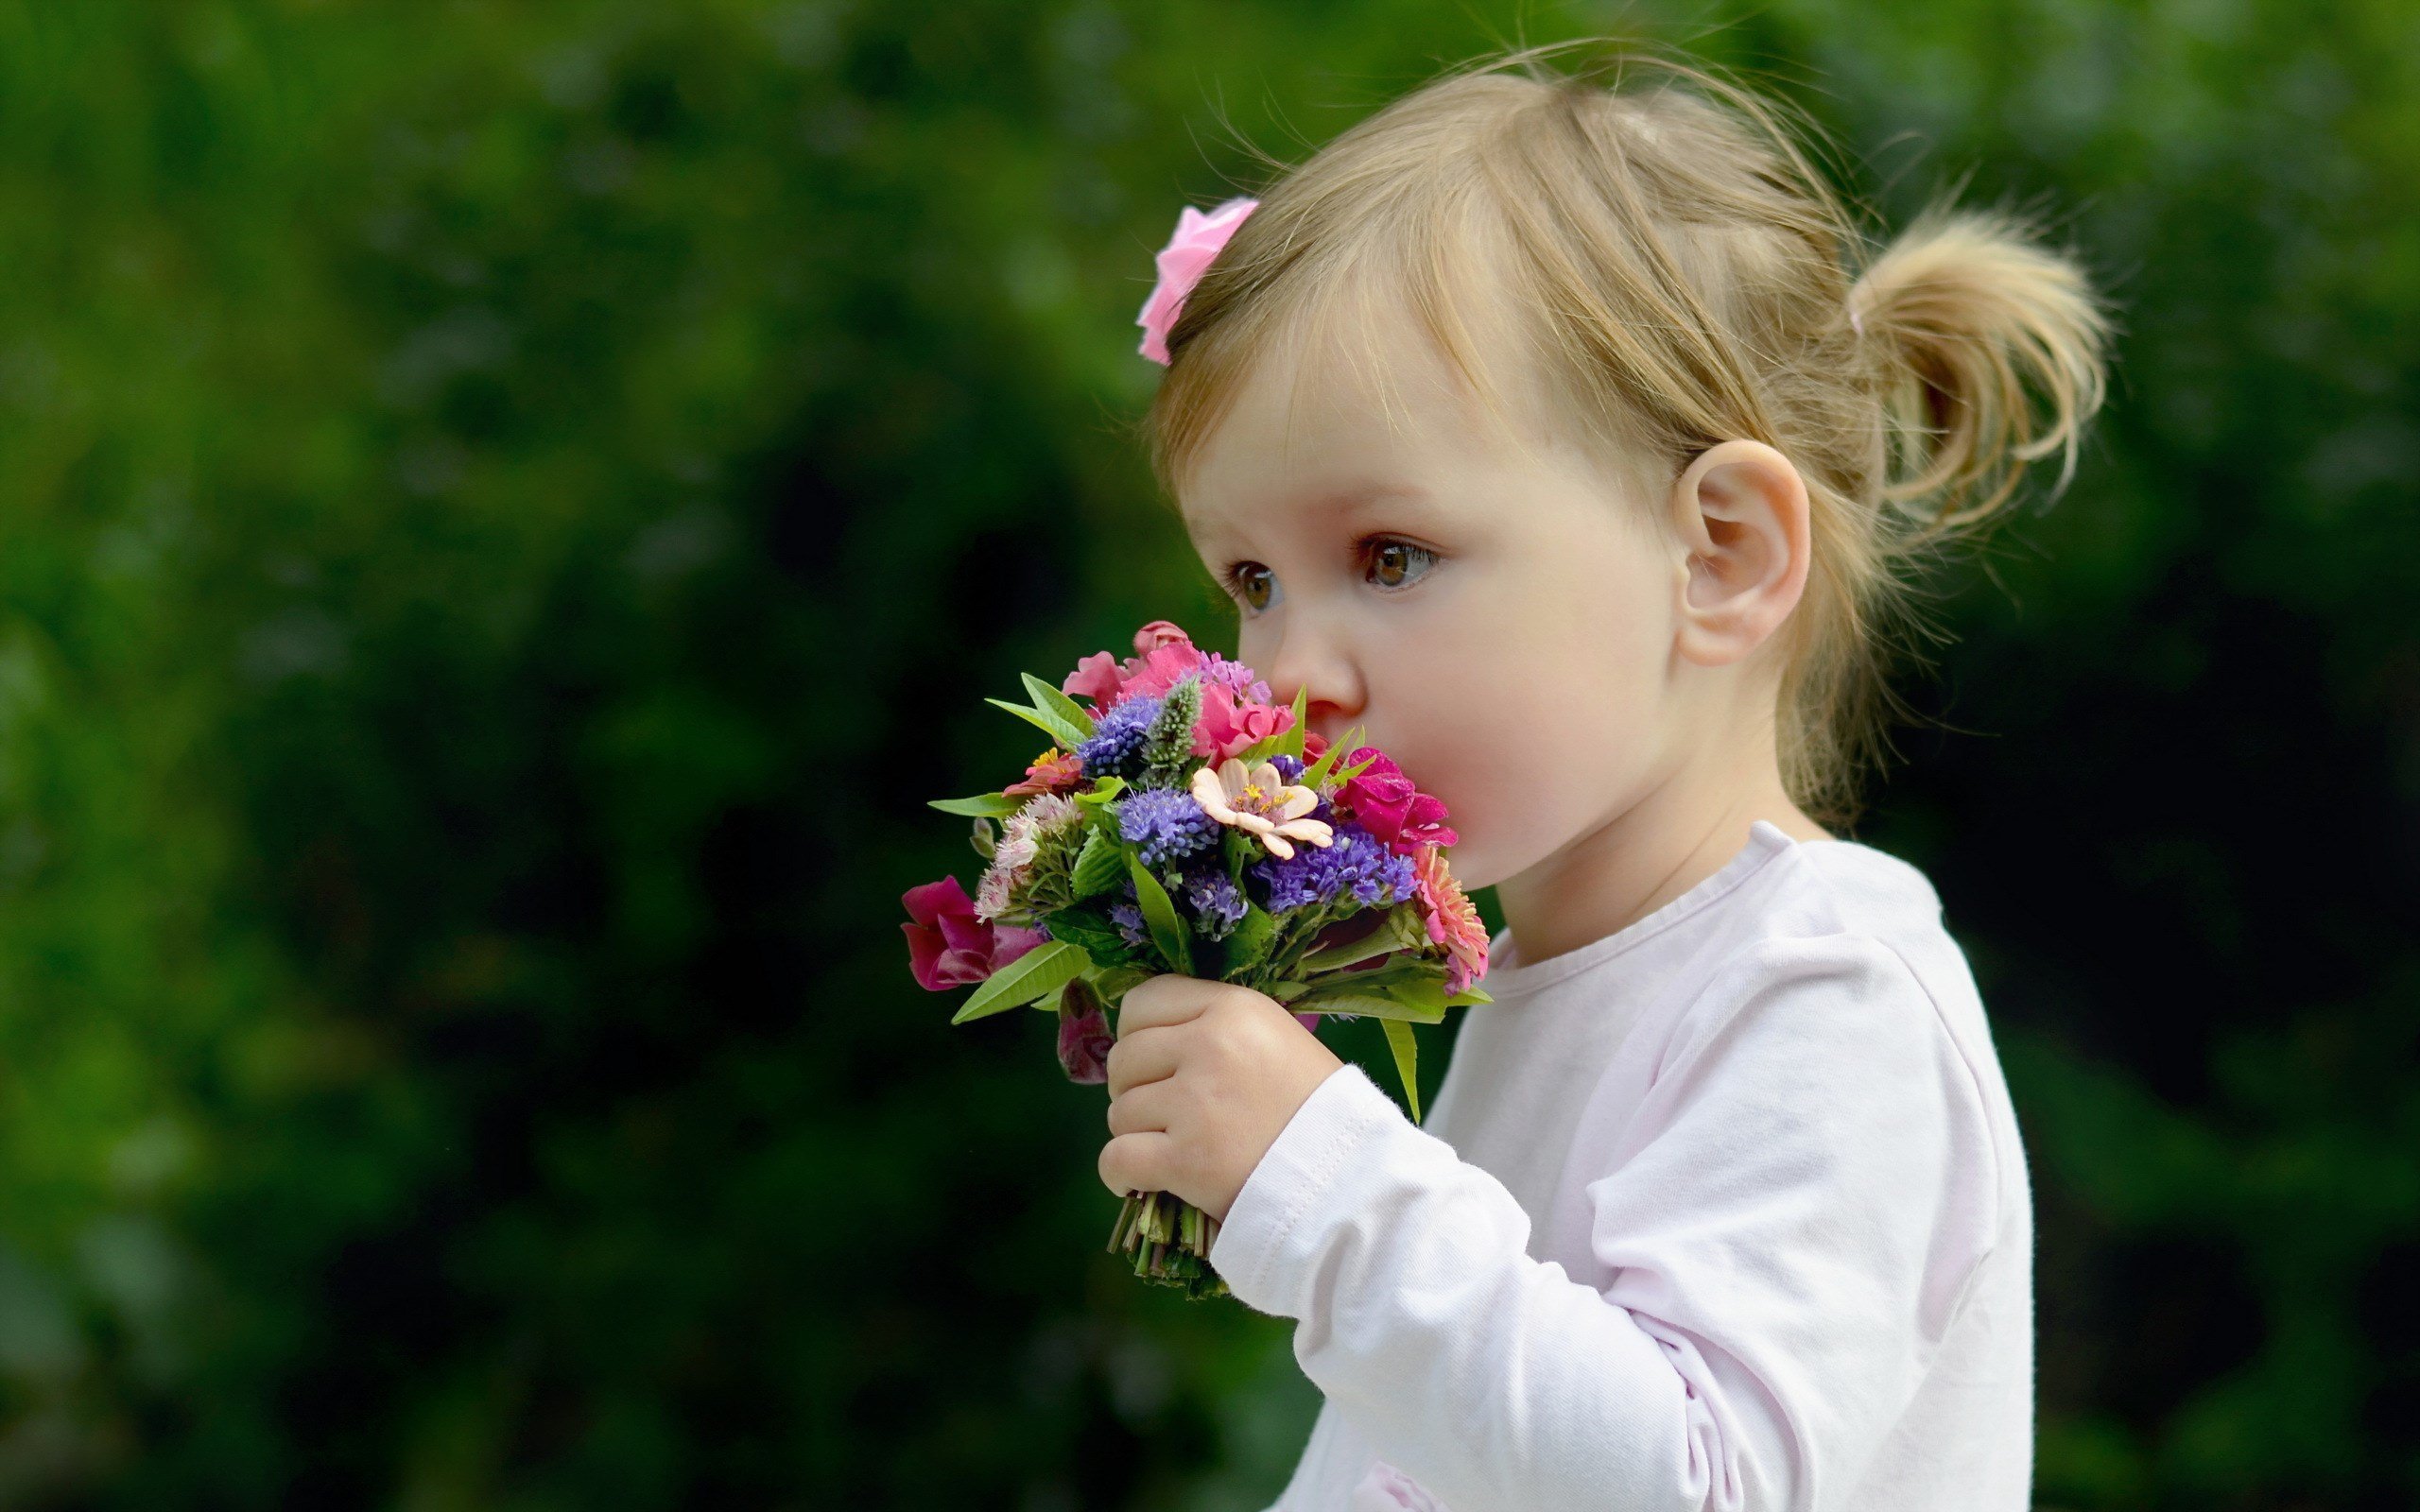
1397,562
1254,584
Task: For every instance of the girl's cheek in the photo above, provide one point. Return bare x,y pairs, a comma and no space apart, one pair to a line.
1547,728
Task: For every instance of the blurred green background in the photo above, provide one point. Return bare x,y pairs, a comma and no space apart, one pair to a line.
511,509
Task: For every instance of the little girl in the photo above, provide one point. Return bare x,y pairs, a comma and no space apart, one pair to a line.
1538,428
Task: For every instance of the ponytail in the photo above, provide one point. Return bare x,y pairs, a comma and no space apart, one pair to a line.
1965,313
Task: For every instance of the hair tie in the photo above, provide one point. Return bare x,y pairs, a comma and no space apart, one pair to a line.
1181,262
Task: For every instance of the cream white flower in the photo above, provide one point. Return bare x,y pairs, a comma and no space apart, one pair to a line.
1259,802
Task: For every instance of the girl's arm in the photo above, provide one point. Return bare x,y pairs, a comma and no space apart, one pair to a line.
1794,1210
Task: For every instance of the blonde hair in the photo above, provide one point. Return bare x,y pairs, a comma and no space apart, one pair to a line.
1679,274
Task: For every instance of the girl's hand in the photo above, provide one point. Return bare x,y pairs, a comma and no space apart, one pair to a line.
1202,1079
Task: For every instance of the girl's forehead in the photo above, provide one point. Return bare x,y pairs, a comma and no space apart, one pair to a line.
1325,418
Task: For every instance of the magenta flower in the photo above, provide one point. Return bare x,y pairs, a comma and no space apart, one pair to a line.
947,946
1390,806
1085,1039
1181,262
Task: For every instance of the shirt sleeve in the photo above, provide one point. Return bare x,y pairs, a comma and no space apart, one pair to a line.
1791,1214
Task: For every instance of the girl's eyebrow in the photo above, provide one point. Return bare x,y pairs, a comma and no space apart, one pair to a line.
1363,499
1349,502
1354,499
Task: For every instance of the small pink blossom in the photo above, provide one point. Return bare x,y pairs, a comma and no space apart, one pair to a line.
947,946
1020,842
1053,771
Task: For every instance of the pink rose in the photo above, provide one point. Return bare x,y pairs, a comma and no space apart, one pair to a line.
947,946
1227,727
1390,807
1159,633
1161,668
1164,656
1097,678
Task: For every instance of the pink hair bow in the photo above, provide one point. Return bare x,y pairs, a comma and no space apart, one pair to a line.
1181,262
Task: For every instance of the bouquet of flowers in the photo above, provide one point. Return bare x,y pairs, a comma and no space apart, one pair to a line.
1180,821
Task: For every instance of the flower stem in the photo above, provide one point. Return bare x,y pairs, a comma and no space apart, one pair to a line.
1170,1240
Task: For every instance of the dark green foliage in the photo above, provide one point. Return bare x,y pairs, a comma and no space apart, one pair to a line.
511,511
1092,930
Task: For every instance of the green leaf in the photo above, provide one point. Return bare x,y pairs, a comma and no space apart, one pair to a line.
1114,981
1049,724
1105,789
1248,946
1317,770
1293,740
1050,700
1368,1004
1469,997
981,806
1410,988
1393,933
1096,935
1043,969
1407,1055
1098,865
1159,916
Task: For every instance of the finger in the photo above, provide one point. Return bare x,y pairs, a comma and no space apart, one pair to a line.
1148,1056
1164,998
1144,1109
1136,1163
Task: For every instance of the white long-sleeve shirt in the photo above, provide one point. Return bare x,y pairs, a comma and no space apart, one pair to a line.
1727,1209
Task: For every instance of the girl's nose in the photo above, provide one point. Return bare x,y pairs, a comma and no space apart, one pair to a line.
1332,684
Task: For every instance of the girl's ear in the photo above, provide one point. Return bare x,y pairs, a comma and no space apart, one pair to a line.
1740,510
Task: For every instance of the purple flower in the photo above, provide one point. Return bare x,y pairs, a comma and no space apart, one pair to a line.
1218,903
1235,677
1129,920
1165,825
1290,768
1116,747
1355,868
